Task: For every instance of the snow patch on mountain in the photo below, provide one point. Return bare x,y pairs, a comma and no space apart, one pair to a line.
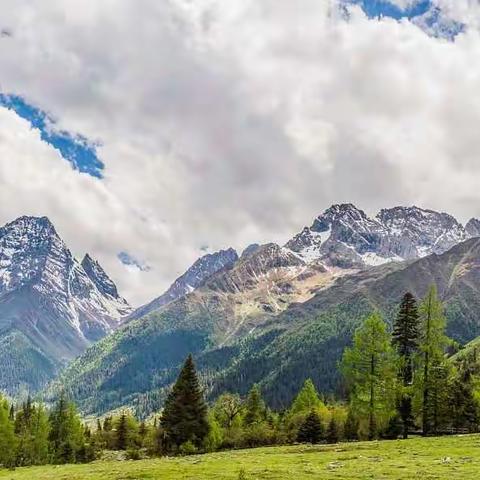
36,265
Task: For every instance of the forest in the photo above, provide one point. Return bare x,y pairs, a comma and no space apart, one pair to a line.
407,381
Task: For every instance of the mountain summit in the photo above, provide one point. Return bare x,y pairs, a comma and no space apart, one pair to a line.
344,236
51,306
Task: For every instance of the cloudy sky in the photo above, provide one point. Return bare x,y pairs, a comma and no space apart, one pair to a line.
151,131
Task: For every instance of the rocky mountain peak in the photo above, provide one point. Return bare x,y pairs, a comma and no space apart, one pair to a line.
26,245
347,237
194,277
99,277
473,227
54,304
415,232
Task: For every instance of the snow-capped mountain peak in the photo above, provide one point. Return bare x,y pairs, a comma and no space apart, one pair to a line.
347,237
42,284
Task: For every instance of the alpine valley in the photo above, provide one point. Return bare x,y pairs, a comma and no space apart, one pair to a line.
273,315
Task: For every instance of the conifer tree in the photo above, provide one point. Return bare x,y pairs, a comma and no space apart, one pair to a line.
405,340
432,343
311,430
66,431
351,426
184,417
333,431
122,432
307,399
254,406
369,368
405,335
463,405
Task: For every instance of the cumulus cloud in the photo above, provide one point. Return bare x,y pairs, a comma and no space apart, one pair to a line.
227,123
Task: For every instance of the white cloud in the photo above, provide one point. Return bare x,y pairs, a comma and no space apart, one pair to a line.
224,123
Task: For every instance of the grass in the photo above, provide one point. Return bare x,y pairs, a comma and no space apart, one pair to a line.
456,457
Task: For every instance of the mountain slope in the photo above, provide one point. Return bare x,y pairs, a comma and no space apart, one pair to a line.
51,308
193,278
237,341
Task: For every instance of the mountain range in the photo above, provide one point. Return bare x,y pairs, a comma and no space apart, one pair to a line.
52,307
277,314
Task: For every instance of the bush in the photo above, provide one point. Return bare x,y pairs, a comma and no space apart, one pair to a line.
133,454
188,448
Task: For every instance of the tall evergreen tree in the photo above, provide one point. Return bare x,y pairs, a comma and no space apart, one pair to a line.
351,425
405,339
369,368
307,399
122,432
432,343
463,406
311,430
66,431
405,336
184,416
333,431
254,406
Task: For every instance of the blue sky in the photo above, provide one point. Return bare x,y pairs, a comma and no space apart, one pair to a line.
424,13
376,8
74,148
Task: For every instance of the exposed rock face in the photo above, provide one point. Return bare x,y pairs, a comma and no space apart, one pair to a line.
48,299
415,233
473,228
193,278
346,237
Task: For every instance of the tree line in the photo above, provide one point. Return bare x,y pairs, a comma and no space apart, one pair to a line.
398,382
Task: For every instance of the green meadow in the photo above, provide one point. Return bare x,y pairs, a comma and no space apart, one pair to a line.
452,457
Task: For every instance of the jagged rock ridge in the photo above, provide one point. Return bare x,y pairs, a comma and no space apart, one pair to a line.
193,278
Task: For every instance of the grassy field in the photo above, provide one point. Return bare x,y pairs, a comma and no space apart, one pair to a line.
434,458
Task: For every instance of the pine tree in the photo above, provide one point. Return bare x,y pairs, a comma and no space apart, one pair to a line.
462,403
311,430
122,432
351,426
405,338
40,429
333,433
369,368
184,416
307,399
433,382
405,335
66,431
254,407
